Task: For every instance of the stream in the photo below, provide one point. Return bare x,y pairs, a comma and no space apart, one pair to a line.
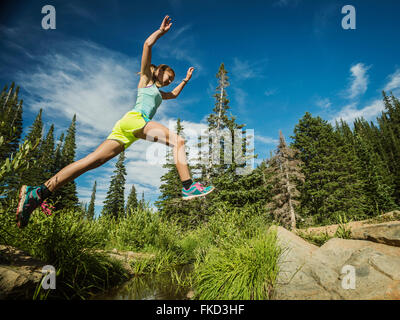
161,286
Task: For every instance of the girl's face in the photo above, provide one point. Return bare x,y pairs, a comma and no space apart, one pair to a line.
165,77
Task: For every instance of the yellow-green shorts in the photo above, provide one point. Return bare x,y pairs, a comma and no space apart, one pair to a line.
124,128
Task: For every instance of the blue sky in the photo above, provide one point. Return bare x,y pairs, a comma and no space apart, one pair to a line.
284,58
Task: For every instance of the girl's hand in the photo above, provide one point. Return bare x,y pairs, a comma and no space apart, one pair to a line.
189,74
166,25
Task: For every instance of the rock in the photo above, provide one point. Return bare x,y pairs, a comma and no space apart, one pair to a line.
127,257
330,230
295,279
309,272
190,294
20,274
386,233
296,252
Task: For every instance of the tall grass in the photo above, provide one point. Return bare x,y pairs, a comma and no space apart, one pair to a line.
246,270
68,242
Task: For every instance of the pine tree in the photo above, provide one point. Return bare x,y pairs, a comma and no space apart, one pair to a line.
68,192
90,210
33,176
46,160
114,203
56,196
11,114
346,191
224,162
170,204
331,186
142,203
287,174
10,131
389,124
211,146
171,187
377,186
132,202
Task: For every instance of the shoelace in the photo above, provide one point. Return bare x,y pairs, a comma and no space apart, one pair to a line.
200,186
45,208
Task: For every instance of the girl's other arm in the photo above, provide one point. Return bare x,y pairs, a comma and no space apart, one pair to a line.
175,93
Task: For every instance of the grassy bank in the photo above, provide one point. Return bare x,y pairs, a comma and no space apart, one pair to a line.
234,256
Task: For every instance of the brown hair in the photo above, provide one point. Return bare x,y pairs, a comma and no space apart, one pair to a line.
163,67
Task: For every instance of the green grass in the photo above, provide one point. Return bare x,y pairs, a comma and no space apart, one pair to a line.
69,243
317,239
247,270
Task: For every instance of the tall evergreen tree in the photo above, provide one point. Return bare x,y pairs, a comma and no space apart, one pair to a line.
114,203
331,186
11,114
287,173
225,163
142,202
56,196
46,160
212,146
389,124
90,210
10,131
377,186
171,187
132,202
33,176
68,192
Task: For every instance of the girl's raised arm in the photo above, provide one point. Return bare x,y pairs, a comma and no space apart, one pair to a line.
150,41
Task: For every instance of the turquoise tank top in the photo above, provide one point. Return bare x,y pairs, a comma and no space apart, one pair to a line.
148,100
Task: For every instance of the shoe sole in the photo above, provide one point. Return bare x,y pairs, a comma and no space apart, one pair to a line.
22,194
198,195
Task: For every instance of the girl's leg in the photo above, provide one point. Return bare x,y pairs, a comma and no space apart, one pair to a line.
106,151
155,131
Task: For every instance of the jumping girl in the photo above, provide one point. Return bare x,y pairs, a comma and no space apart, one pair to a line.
134,125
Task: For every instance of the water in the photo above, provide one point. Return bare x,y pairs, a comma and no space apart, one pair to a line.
150,287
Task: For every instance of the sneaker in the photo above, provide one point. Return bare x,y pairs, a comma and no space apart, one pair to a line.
29,200
196,190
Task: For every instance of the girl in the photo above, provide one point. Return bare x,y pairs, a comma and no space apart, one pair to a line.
134,125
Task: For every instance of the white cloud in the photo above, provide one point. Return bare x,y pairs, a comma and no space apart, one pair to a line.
176,33
270,92
324,103
359,80
286,3
96,84
350,112
240,97
394,82
243,69
266,140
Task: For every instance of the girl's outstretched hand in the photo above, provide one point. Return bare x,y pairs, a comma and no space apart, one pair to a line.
189,73
166,24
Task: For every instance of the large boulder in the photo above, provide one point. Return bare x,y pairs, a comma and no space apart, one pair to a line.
308,272
20,274
386,233
294,278
330,230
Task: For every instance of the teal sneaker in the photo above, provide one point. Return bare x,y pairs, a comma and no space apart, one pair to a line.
29,200
196,190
